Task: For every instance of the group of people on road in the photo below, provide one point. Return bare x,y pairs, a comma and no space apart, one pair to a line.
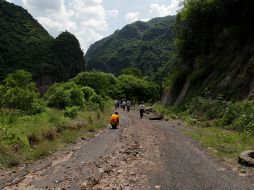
125,105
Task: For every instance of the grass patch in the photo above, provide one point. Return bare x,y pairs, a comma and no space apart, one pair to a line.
223,143
27,138
225,128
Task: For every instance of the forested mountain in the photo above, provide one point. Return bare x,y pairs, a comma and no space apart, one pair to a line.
215,40
147,46
25,44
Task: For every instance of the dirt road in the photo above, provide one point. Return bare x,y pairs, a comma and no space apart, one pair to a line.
141,155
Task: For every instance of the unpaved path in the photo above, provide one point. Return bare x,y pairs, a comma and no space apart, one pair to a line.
141,155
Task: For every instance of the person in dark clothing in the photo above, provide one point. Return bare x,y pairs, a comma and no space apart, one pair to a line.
141,110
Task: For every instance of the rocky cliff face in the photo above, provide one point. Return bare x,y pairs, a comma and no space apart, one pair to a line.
216,43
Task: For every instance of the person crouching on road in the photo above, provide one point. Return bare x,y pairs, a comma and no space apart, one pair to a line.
114,120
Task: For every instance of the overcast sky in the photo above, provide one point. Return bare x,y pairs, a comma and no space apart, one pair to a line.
91,20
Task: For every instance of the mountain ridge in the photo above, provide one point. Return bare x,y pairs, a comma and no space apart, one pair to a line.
25,44
143,45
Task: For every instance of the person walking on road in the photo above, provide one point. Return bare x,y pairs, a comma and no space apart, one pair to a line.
128,104
124,105
114,120
141,110
116,104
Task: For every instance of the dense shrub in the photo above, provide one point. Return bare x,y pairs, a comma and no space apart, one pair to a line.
19,92
88,93
138,89
103,83
132,71
212,109
237,116
98,101
71,112
63,95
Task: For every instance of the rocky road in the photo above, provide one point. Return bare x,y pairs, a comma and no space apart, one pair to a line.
140,155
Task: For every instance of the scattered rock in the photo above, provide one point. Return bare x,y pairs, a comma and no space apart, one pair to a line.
120,171
148,110
84,184
101,170
157,187
158,117
247,157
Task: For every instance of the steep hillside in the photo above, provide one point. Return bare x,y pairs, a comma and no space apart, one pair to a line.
143,45
215,40
25,44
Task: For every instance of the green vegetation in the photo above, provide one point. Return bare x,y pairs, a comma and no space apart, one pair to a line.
132,71
29,137
19,92
25,44
144,46
225,127
121,87
138,89
214,45
211,85
29,129
64,95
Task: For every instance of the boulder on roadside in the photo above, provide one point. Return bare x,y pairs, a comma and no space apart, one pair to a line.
156,117
148,110
247,157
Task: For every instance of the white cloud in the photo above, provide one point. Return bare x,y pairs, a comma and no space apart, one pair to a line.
145,19
132,16
86,19
113,13
89,20
96,24
164,10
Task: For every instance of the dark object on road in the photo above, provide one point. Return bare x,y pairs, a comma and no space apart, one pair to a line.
141,113
148,110
114,126
157,117
247,157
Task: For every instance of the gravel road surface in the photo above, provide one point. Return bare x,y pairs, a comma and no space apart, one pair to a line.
140,155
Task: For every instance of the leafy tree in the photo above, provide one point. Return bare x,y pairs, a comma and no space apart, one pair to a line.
19,92
132,71
67,50
104,84
138,89
64,95
88,92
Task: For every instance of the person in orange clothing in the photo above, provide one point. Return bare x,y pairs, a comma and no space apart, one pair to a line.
114,120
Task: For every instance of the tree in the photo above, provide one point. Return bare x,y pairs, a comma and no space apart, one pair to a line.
104,84
19,92
62,95
132,71
67,50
